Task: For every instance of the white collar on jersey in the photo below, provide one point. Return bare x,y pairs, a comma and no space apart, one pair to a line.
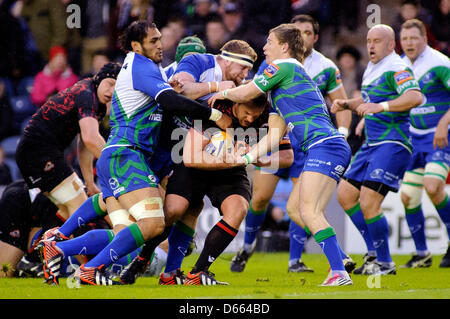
289,60
422,55
383,60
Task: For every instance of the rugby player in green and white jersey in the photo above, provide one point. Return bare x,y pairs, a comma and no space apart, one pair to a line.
299,106
388,91
326,75
429,165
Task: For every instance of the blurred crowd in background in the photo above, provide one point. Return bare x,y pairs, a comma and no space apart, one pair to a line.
48,45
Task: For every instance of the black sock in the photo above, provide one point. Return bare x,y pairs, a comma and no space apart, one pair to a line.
151,244
219,237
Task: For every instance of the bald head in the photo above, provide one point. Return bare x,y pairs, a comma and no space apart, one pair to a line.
380,42
384,30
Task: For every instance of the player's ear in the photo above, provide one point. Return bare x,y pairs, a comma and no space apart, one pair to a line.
136,46
392,45
316,38
285,47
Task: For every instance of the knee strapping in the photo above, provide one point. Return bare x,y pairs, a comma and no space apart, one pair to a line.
412,186
120,217
437,170
149,207
69,190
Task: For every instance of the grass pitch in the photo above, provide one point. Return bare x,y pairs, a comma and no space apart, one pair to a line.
265,277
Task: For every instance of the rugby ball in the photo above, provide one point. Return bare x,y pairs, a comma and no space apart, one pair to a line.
220,144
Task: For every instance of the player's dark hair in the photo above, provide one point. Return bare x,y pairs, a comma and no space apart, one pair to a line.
258,102
290,34
306,18
136,31
415,3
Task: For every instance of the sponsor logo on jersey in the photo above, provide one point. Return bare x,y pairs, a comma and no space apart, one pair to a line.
15,233
339,169
378,243
338,77
83,251
427,78
299,239
423,110
48,166
81,222
402,77
181,250
155,117
271,70
365,97
113,183
34,181
377,173
321,79
113,255
261,79
290,126
414,229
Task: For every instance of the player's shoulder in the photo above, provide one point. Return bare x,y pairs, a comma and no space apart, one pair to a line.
394,63
436,58
137,65
322,61
204,59
283,65
170,69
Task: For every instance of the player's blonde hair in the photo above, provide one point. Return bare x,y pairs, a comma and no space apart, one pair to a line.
415,23
290,34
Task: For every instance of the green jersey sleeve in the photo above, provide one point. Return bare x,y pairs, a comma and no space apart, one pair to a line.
402,81
443,73
273,76
334,81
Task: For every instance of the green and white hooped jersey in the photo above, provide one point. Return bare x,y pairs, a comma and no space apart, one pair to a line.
432,71
382,82
323,71
296,97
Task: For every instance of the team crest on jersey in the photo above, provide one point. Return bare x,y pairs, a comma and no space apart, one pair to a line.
321,79
15,233
48,166
427,78
402,77
338,77
271,70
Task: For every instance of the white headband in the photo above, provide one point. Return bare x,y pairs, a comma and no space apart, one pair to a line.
238,58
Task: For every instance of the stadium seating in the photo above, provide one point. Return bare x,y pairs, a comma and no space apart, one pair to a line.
25,86
22,108
9,146
24,123
15,172
9,87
